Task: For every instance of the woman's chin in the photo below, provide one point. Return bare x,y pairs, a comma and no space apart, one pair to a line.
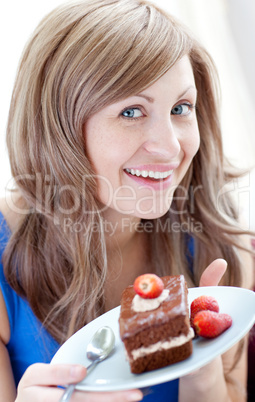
155,214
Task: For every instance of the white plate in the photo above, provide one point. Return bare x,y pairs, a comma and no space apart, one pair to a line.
114,373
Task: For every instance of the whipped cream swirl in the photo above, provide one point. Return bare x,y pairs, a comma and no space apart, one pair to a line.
139,304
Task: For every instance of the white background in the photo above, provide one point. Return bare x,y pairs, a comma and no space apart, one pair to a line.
226,27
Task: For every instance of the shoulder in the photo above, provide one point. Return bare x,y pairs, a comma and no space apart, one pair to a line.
12,208
5,325
9,220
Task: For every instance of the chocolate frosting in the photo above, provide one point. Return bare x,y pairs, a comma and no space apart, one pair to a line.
131,322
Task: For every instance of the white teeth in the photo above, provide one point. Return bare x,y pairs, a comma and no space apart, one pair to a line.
151,173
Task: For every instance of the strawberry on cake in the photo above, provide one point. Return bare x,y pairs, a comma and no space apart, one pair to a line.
154,322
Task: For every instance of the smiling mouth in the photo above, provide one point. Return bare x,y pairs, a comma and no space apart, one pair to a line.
150,173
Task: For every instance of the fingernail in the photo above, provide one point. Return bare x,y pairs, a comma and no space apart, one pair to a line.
76,371
134,396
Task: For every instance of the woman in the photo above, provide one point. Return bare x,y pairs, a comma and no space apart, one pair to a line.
113,129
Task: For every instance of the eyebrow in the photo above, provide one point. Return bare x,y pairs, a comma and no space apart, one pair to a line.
186,90
151,100
148,98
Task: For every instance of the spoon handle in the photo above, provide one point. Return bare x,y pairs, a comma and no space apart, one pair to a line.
70,389
92,364
68,393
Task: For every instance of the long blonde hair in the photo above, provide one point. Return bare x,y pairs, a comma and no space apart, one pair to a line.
81,58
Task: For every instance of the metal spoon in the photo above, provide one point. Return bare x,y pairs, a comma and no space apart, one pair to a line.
98,349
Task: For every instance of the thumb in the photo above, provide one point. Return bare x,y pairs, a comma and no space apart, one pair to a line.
213,273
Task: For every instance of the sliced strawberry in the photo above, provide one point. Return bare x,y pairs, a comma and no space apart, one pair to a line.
148,286
209,324
202,303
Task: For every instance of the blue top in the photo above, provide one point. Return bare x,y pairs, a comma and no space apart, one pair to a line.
31,343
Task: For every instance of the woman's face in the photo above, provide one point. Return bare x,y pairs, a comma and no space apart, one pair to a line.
141,147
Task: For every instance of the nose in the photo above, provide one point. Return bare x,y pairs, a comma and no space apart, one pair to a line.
162,140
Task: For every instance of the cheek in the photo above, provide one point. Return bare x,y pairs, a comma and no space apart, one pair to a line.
195,145
191,143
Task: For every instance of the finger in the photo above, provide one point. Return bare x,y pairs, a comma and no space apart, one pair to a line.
213,273
38,378
52,374
41,394
118,396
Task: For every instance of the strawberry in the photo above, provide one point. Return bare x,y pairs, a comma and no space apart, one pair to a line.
148,286
209,324
202,303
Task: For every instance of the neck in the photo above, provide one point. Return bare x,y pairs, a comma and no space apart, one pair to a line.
127,255
120,230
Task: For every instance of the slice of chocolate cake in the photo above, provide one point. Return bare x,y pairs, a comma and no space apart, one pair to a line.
160,336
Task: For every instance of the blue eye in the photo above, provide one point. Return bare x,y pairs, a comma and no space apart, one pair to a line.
132,113
182,109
